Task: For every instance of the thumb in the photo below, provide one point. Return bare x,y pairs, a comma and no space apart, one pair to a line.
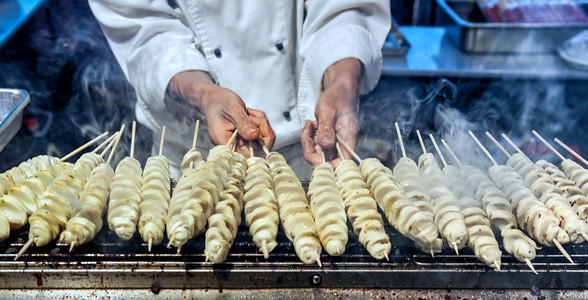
247,130
326,128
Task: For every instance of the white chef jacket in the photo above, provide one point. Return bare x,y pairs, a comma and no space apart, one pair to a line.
271,53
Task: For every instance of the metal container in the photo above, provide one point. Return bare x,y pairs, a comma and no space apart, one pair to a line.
466,26
12,103
395,44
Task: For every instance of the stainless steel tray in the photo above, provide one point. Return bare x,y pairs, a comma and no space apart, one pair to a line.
465,25
12,103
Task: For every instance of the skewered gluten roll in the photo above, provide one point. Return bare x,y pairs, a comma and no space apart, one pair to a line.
407,173
568,188
481,239
448,216
224,222
295,214
499,211
24,170
532,215
155,196
545,190
192,158
87,217
56,204
579,175
261,205
22,199
125,196
362,210
328,209
401,212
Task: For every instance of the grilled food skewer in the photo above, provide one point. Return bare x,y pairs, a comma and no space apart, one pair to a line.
361,208
532,216
448,218
542,185
193,156
569,183
481,239
402,214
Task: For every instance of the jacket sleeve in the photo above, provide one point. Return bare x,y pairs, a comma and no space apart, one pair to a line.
334,30
151,42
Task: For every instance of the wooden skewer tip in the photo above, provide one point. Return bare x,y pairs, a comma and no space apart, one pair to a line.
149,244
264,249
386,255
563,251
530,265
71,247
24,248
496,266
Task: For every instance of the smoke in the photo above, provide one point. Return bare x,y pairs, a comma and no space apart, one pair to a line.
77,88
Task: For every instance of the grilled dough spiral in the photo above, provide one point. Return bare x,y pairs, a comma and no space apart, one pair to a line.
125,196
224,222
499,211
24,170
56,204
407,173
401,212
261,205
568,187
448,216
328,209
87,217
481,239
545,190
362,210
155,196
192,157
532,216
295,214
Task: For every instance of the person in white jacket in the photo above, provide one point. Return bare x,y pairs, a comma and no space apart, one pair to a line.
248,64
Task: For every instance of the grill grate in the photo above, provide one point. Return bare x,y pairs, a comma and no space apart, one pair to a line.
108,262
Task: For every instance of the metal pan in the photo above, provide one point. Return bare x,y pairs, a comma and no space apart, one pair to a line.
466,26
12,103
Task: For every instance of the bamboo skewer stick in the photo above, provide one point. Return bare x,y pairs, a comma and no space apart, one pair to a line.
574,153
339,151
24,248
498,144
451,152
110,144
549,145
421,142
195,134
162,139
400,139
133,131
84,146
438,150
106,142
483,148
263,146
233,138
342,141
513,145
122,129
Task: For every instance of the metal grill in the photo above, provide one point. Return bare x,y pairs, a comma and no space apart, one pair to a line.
108,262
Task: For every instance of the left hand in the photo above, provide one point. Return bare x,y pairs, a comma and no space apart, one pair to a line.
335,112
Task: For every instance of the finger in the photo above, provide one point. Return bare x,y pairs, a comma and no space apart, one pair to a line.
256,113
347,129
238,116
219,130
308,145
326,127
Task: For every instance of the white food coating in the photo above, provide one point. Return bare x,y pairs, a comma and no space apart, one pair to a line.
328,209
193,157
362,210
125,196
55,206
481,239
224,222
400,211
261,205
188,214
155,196
406,172
448,216
499,211
4,228
532,216
576,193
87,218
294,210
542,185
24,170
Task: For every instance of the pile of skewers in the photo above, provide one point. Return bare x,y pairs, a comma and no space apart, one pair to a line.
453,206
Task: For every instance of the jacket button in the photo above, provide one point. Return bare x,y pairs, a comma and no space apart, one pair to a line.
217,53
280,47
287,114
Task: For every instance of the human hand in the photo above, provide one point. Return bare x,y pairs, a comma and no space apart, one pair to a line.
223,110
335,112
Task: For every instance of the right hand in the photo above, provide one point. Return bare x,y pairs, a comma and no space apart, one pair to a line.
223,110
